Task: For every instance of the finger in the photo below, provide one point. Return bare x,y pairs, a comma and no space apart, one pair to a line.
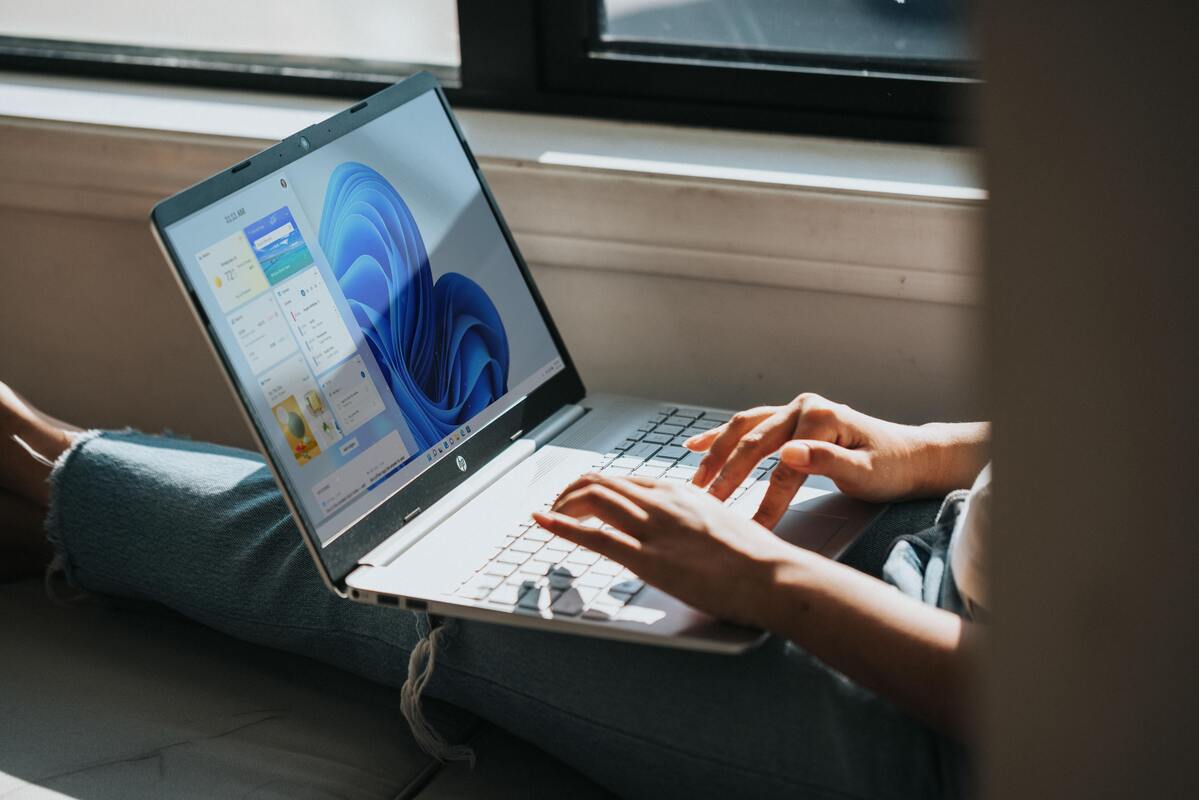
754,446
785,481
590,478
700,442
741,423
840,464
645,493
819,419
610,544
604,504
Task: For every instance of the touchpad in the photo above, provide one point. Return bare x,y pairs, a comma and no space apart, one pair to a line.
807,529
813,518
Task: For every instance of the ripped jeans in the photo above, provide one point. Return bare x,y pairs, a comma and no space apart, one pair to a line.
203,530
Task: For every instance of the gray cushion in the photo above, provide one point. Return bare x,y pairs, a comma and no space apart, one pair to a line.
98,701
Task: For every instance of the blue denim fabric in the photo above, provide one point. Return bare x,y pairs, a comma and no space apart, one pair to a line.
202,529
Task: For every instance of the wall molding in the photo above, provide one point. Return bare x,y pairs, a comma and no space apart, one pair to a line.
697,228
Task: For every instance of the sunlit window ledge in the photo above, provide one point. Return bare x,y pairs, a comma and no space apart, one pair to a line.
853,217
878,168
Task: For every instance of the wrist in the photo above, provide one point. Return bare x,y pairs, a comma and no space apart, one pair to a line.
951,454
789,575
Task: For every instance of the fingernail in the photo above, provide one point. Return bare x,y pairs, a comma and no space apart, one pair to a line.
690,441
798,455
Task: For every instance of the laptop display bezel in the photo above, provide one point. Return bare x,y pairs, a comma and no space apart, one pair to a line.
340,556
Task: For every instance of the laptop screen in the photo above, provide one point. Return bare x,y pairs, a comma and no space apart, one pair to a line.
369,307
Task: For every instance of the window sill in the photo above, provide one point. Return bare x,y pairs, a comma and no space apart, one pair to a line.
861,218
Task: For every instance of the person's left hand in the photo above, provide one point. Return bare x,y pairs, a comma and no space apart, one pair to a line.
678,538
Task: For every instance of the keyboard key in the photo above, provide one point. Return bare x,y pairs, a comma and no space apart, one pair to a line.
505,595
649,472
705,424
487,582
606,567
627,588
568,604
525,546
583,557
534,568
672,452
587,593
626,444
618,471
561,577
499,569
607,605
594,580
691,459
693,413
642,450
657,438
717,417
534,598
680,473
560,544
538,535
669,429
512,557
545,557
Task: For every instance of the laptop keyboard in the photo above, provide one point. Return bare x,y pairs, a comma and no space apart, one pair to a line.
535,572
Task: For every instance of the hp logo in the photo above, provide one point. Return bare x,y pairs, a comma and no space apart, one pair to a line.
461,462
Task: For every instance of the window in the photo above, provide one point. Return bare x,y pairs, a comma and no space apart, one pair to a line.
916,36
884,69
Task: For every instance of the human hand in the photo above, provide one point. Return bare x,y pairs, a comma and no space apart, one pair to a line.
678,538
865,457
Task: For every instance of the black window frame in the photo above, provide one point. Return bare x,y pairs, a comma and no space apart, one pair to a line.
542,56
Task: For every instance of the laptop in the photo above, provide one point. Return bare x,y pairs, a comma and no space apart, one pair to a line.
410,392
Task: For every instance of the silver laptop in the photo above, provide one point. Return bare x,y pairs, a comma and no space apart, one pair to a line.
410,392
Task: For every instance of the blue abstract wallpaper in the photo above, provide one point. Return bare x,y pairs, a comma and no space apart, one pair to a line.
441,344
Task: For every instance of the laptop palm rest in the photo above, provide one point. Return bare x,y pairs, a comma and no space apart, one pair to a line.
820,518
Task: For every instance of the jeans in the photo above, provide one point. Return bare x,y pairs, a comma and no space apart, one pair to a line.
203,530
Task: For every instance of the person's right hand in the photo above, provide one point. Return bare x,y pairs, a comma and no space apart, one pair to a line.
865,457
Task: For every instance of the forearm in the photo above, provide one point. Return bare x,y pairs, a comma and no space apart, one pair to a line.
952,455
915,655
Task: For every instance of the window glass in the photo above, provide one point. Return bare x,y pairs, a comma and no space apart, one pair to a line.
920,34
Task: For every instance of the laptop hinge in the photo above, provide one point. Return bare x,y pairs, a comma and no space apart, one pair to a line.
420,523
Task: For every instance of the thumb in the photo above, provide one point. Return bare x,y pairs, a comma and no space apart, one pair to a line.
825,458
